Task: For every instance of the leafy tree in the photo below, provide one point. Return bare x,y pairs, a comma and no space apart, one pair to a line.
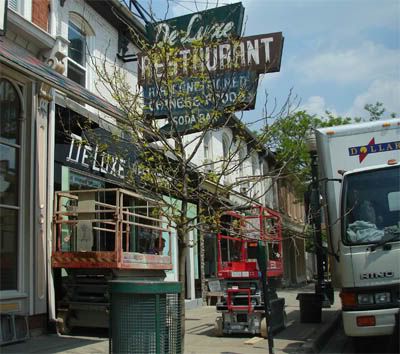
168,151
375,111
287,136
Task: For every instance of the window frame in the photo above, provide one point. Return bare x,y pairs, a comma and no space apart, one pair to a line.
89,35
22,87
344,203
70,60
22,7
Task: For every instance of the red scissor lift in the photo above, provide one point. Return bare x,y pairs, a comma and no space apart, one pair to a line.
242,306
100,235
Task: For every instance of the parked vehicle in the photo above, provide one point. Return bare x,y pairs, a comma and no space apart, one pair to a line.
363,219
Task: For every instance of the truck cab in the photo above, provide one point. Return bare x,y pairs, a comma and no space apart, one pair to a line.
359,174
370,250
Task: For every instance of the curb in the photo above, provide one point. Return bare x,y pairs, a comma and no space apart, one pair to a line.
317,344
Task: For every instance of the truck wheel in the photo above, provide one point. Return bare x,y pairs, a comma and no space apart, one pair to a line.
263,328
285,320
63,323
218,327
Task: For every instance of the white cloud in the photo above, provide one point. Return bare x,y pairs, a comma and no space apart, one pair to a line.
384,91
321,21
316,105
367,62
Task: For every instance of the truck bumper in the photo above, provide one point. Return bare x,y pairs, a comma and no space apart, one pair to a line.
385,322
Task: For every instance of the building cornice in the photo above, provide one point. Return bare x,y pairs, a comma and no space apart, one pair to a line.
37,39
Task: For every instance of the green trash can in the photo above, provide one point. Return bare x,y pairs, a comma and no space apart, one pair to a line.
145,317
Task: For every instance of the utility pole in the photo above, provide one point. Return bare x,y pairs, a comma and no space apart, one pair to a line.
262,265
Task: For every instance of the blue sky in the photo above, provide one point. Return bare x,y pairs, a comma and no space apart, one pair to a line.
338,54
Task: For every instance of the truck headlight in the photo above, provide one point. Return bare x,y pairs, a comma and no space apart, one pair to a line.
382,298
365,299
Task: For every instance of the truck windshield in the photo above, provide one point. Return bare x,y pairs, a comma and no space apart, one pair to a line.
371,206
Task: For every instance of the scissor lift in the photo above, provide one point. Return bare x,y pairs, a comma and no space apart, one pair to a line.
100,235
242,305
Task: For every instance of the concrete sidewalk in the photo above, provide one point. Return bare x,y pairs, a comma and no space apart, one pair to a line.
200,339
295,338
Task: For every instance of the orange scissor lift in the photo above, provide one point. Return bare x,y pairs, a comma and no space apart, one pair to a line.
240,235
100,235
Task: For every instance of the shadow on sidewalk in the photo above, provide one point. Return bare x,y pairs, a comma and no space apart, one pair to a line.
53,343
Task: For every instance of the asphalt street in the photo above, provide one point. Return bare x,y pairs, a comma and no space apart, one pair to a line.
339,343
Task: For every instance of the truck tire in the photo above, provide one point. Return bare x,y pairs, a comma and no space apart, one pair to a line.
264,328
285,320
218,327
63,326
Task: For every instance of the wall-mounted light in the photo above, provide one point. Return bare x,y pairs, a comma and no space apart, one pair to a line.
3,16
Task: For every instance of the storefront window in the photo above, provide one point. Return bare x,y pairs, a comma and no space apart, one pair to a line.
9,175
78,181
10,108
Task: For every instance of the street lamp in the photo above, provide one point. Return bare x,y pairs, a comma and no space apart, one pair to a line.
315,213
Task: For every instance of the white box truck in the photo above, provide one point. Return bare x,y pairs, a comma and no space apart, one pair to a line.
359,168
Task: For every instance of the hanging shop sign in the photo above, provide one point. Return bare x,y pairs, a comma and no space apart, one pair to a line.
218,24
200,69
194,101
260,54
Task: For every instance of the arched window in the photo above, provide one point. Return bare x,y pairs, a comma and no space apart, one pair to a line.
10,157
79,33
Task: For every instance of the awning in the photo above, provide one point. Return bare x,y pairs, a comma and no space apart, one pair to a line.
20,60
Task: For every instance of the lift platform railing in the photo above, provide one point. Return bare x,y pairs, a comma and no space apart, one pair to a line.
231,300
243,228
109,228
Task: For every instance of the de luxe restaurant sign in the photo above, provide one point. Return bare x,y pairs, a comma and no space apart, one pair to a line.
219,75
